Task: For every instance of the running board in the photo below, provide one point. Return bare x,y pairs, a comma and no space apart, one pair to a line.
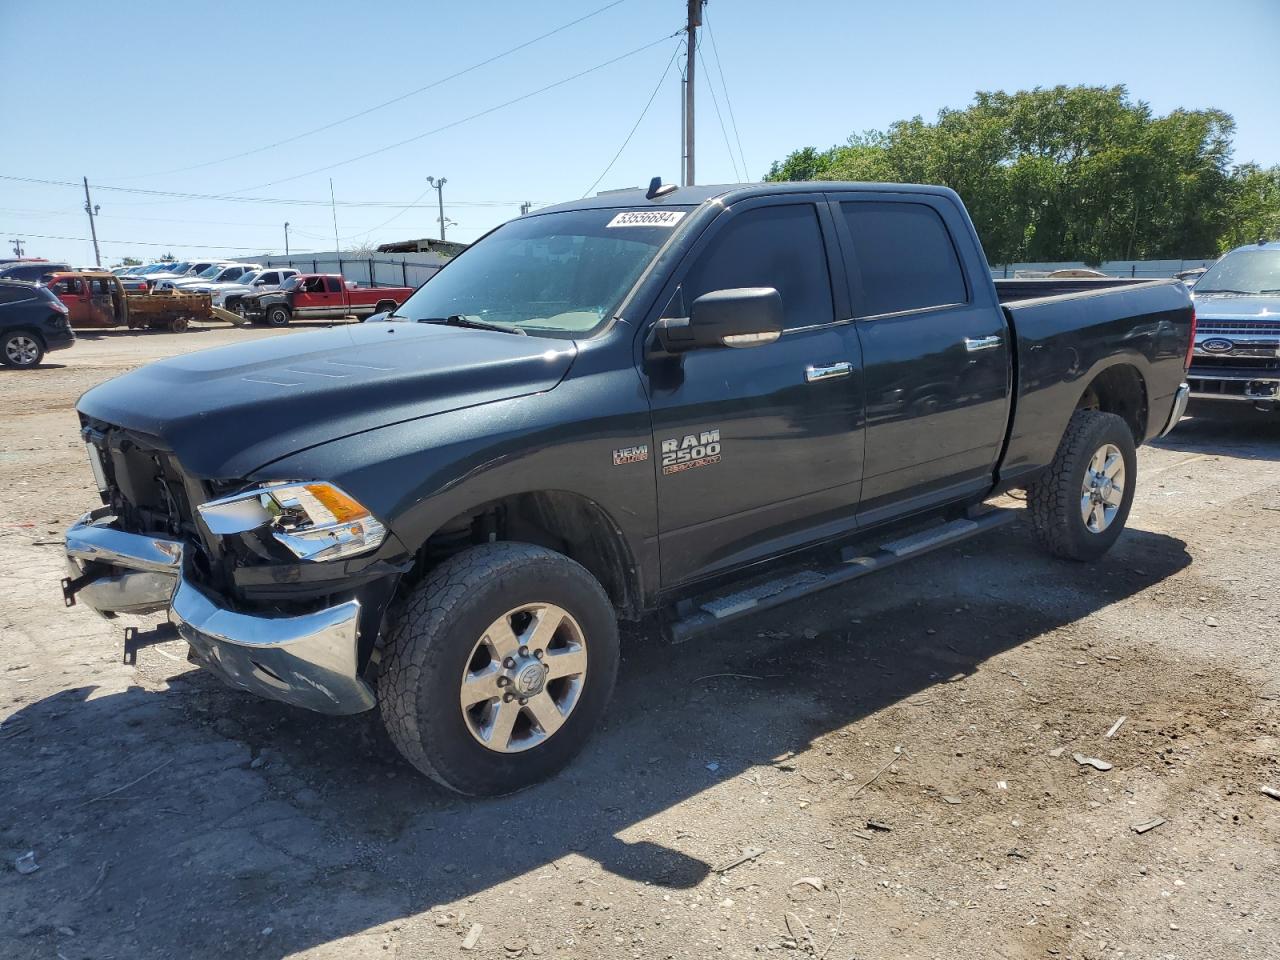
704,613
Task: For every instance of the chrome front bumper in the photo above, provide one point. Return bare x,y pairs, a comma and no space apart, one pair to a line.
308,660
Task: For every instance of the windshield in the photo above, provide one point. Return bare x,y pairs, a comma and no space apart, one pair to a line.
250,277
209,272
291,282
556,275
1243,271
178,267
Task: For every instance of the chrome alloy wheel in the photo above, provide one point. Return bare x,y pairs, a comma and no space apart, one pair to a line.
1103,489
21,350
524,677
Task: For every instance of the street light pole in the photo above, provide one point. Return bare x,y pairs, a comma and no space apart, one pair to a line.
439,185
90,209
286,238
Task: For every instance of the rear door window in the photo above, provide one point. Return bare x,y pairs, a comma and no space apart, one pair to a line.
773,246
903,258
332,284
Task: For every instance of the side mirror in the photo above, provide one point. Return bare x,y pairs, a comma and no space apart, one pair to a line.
377,317
739,317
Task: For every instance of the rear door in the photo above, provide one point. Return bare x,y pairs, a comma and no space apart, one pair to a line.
101,307
758,450
935,348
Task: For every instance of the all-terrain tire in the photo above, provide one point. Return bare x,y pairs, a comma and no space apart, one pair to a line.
430,644
1057,500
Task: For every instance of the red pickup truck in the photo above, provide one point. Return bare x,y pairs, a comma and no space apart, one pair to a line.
319,296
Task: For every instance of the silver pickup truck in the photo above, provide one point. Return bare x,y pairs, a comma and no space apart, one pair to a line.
1237,348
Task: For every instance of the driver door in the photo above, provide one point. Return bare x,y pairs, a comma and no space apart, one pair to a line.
758,449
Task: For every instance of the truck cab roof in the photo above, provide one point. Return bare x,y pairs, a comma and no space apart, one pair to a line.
726,193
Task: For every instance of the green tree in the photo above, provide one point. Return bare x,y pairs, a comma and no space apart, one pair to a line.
1066,173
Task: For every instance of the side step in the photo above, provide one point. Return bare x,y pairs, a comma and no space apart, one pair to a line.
703,613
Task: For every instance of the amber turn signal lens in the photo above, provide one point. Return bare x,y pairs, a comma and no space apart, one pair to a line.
342,507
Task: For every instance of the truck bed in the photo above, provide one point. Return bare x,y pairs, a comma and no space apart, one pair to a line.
1072,331
1034,288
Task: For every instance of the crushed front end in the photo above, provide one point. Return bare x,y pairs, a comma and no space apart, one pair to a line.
279,588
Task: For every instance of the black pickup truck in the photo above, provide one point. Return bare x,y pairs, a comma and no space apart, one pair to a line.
694,403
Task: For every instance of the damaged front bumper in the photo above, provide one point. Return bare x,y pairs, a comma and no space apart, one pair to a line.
309,660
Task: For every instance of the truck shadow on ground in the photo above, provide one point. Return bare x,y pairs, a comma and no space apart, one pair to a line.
186,821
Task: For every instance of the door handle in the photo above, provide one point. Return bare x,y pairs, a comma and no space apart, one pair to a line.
982,343
827,371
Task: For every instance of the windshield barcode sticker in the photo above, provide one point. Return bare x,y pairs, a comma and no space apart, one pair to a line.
647,218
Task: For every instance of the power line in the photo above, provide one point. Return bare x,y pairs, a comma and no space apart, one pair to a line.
276,200
387,103
395,216
715,53
141,243
665,70
455,123
716,103
38,213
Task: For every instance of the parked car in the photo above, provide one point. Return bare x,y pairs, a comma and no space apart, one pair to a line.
33,271
223,273
32,322
699,402
99,299
319,296
134,284
1237,352
227,295
1189,277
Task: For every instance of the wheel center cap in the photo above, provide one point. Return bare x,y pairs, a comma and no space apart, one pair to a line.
529,679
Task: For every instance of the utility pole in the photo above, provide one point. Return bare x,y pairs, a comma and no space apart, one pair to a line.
286,238
439,185
526,207
334,205
90,209
17,247
691,50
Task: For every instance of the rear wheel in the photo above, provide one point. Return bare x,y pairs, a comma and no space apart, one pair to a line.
385,306
179,324
21,349
1080,505
498,668
278,316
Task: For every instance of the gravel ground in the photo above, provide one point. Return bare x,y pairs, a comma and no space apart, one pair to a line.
885,771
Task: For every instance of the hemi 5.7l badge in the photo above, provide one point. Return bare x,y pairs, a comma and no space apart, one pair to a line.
693,450
636,454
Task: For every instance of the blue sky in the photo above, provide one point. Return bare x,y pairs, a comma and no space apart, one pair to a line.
145,96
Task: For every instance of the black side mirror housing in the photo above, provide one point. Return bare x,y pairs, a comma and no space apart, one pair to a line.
737,317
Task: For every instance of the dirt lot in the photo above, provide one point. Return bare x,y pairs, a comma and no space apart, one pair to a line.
892,763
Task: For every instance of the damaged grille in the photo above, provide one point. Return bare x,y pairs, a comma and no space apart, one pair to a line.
145,487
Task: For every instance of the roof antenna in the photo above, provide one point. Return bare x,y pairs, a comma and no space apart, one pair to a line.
659,189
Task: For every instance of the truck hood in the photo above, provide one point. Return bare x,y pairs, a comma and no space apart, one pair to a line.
228,411
1220,306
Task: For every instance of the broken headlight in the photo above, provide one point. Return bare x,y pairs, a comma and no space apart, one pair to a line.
315,521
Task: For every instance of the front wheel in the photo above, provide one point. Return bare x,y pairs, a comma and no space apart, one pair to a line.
1080,505
21,349
498,668
278,316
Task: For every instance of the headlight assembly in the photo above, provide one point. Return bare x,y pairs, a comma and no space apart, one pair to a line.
315,521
